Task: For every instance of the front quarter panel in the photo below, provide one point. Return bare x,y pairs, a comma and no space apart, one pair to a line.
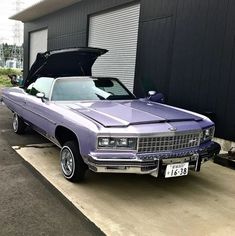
14,98
81,126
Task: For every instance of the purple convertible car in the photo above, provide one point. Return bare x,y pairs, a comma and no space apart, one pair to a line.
100,125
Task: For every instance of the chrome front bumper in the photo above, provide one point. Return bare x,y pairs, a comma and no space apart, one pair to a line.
150,163
152,167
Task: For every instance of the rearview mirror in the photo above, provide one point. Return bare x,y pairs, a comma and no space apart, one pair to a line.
106,83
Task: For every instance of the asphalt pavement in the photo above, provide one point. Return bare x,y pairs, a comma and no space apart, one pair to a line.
29,205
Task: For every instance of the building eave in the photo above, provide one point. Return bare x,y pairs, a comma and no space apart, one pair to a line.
41,9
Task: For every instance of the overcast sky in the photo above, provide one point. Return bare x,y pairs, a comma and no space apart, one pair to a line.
7,9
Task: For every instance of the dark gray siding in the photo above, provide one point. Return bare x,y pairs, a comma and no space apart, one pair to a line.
204,75
186,49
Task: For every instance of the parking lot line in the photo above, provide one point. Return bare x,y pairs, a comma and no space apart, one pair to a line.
198,204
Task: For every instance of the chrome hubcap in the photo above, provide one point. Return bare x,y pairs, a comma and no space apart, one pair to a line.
15,122
67,161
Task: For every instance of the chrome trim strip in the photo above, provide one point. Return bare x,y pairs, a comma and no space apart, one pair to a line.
130,170
180,160
115,159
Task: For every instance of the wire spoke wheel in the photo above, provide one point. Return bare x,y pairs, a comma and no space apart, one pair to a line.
18,124
72,164
67,161
15,122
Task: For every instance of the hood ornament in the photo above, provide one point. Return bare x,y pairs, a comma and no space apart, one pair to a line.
172,129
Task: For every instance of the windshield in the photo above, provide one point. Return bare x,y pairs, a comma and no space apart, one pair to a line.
69,89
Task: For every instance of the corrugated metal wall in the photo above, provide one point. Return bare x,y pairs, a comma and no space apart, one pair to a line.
116,30
186,49
38,42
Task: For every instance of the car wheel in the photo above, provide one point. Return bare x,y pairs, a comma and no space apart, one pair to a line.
18,124
72,164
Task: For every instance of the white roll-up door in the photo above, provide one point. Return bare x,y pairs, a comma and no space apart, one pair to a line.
116,31
38,43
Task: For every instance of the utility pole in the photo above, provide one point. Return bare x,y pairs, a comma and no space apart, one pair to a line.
17,27
17,52
2,58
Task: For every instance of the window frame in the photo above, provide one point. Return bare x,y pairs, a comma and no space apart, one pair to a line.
83,77
49,91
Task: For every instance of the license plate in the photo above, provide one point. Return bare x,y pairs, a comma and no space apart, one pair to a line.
175,170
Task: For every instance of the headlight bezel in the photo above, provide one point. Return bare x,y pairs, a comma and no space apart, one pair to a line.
207,134
117,143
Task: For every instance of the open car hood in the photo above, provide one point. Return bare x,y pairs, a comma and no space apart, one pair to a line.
65,62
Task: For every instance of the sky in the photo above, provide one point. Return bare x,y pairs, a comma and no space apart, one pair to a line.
7,9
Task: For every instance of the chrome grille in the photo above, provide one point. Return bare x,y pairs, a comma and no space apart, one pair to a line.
168,143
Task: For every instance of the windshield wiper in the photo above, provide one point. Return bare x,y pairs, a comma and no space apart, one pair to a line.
100,97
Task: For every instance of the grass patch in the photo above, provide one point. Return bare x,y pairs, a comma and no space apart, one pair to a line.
5,81
4,72
9,71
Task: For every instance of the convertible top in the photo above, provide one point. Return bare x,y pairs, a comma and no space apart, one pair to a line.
64,62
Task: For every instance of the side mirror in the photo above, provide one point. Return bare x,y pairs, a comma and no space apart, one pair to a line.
156,97
41,96
151,93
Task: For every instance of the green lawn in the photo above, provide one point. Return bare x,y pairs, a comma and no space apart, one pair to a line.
5,81
4,72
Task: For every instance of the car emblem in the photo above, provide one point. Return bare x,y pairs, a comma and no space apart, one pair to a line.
192,141
172,129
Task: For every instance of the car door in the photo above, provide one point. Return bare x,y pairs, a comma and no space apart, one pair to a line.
37,110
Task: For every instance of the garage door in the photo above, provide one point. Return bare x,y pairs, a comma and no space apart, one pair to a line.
116,31
38,43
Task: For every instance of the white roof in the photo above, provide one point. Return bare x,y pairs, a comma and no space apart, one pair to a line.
42,8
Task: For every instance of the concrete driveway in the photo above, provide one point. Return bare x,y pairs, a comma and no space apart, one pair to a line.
198,204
